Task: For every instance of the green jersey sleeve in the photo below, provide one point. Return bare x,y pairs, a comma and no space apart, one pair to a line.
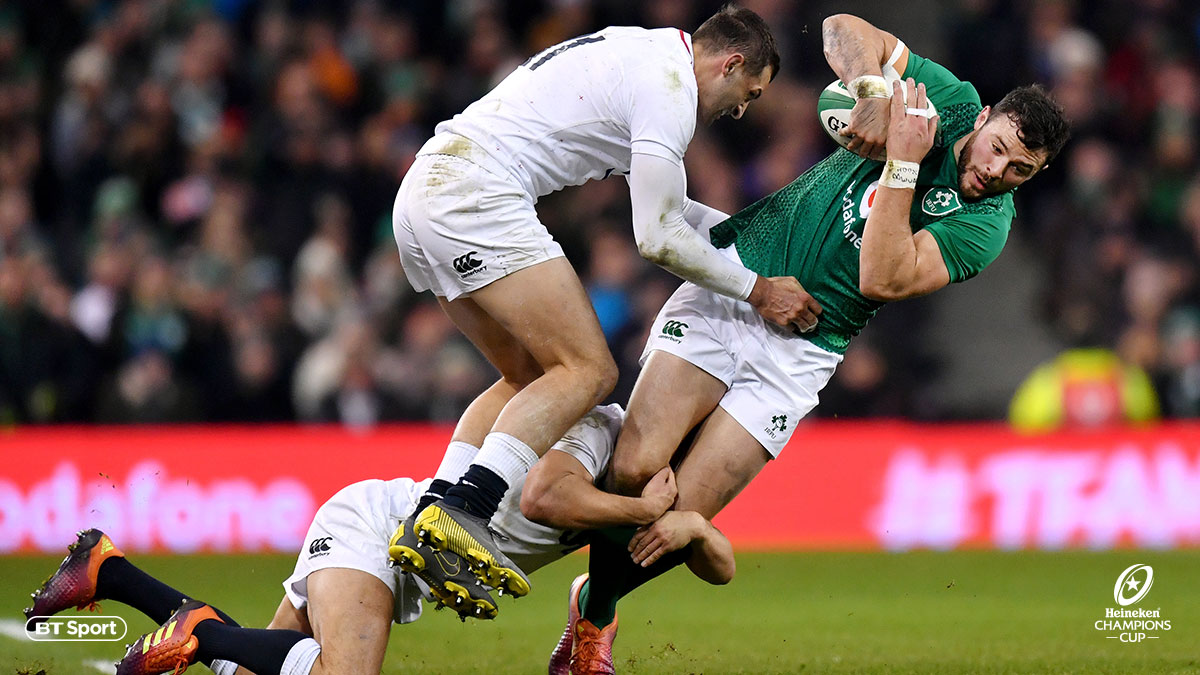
957,102
973,237
942,87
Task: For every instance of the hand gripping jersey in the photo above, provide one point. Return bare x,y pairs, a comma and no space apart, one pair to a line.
812,229
578,110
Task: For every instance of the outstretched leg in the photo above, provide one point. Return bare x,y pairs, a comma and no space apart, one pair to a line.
94,570
349,616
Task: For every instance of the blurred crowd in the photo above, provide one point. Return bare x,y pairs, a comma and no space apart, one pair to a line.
195,197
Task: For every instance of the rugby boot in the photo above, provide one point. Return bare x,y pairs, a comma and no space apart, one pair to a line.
74,583
592,654
560,658
171,648
448,576
446,528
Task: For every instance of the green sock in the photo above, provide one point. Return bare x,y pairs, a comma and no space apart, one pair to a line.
612,573
583,595
606,572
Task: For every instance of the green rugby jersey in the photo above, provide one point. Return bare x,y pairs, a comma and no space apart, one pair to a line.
812,229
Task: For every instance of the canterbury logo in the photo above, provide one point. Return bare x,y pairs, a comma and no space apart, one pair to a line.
319,545
465,264
153,639
674,328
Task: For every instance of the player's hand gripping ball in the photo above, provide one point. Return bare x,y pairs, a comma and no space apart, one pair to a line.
835,104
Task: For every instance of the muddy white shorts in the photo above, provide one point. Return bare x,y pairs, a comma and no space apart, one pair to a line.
461,221
351,531
772,375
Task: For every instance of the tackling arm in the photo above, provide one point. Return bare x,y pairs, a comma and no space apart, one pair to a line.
656,191
712,555
559,493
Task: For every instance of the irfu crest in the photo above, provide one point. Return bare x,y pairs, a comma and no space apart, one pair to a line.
940,201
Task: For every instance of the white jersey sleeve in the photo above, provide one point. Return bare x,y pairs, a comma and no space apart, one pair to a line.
591,441
662,116
656,192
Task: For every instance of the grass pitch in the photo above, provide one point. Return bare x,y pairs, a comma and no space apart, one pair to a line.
962,612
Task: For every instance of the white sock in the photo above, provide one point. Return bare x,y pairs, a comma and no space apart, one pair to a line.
459,455
506,456
301,658
223,667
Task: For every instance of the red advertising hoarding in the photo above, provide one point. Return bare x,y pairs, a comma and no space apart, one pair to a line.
837,485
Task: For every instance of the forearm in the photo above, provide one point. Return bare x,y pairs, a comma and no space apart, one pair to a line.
853,47
664,237
684,252
712,555
579,505
887,261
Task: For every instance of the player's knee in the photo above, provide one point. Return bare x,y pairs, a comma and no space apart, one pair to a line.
597,374
606,377
631,473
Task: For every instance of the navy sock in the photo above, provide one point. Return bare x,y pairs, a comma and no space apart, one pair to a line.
437,490
260,650
478,492
120,580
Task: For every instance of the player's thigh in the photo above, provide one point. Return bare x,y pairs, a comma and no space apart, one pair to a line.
722,461
351,615
671,396
497,345
546,309
287,617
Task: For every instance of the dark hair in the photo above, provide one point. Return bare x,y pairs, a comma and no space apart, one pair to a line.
740,30
1039,118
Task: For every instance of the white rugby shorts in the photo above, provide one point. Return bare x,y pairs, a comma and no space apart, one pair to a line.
351,531
461,221
772,375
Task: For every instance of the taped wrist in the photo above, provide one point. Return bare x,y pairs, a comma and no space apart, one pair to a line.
869,86
898,173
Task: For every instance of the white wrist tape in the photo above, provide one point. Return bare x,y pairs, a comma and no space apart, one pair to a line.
869,86
900,174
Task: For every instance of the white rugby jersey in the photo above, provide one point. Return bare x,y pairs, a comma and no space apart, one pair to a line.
578,110
530,545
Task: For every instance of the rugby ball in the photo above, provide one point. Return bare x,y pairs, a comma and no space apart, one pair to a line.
834,106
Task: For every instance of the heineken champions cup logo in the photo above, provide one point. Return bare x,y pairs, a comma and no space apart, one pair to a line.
1129,583
1133,625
